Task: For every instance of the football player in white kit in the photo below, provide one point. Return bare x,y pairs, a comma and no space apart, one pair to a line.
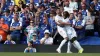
60,28
71,33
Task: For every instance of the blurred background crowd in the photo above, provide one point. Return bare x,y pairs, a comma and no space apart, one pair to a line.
34,20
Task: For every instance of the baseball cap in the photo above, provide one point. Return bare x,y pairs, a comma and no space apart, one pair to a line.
34,34
8,11
46,31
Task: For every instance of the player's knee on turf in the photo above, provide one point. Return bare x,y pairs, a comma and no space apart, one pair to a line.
73,39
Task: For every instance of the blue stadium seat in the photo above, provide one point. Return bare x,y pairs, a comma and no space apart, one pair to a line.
90,41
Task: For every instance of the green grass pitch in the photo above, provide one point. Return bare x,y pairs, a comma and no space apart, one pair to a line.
46,54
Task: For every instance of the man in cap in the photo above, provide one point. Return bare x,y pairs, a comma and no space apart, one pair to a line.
35,39
47,39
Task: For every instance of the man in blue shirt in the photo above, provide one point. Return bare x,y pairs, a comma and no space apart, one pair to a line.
9,40
15,28
7,17
79,26
45,25
26,19
84,10
52,23
45,3
97,4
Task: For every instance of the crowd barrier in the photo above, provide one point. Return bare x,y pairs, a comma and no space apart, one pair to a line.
48,48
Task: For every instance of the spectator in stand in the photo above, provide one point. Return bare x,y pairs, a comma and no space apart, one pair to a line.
46,39
67,8
51,8
7,17
45,3
3,3
9,40
42,10
53,2
27,9
96,4
52,23
79,26
37,19
72,19
31,16
4,28
8,3
26,19
43,26
30,48
11,8
97,9
21,5
16,9
30,30
95,14
15,28
32,8
89,23
84,10
73,4
86,2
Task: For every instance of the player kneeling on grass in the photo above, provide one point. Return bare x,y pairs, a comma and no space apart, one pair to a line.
30,48
9,40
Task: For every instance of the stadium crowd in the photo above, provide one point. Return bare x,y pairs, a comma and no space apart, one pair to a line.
22,21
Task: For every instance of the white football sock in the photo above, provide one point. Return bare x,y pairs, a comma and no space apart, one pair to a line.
77,45
62,43
68,46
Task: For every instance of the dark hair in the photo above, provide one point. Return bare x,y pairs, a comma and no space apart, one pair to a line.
31,43
42,6
80,13
57,8
66,14
8,11
90,10
17,7
53,12
20,2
